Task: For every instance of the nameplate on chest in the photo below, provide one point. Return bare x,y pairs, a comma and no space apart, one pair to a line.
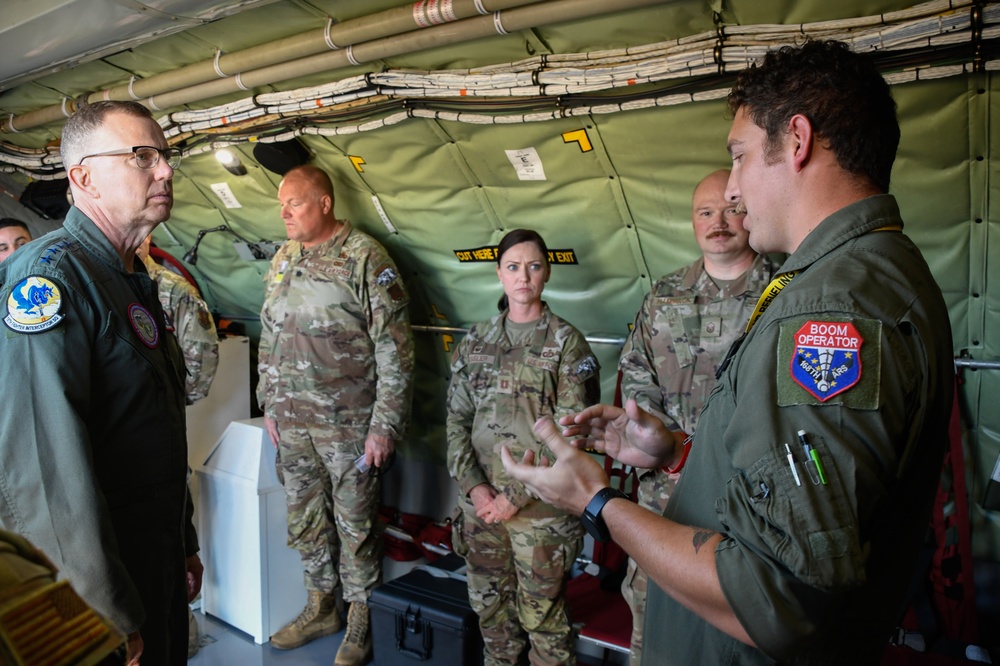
481,358
541,363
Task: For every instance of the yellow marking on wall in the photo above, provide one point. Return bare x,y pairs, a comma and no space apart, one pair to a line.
580,137
357,162
447,340
436,313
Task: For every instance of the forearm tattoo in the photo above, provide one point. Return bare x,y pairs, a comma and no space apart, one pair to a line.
701,537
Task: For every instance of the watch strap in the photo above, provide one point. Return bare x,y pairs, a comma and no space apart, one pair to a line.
592,520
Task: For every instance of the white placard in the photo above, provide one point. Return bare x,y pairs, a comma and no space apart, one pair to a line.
527,163
225,194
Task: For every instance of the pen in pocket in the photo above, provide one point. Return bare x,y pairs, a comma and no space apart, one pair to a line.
791,465
816,471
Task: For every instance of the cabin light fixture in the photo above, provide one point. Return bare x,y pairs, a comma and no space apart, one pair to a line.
231,161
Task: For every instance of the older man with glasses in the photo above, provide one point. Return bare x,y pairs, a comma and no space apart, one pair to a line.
93,453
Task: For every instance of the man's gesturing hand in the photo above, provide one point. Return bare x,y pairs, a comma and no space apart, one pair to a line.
569,482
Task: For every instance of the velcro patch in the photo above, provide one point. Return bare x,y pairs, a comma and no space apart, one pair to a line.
33,305
587,367
388,278
543,364
822,359
144,325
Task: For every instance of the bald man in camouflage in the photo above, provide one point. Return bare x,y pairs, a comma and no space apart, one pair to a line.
336,367
681,334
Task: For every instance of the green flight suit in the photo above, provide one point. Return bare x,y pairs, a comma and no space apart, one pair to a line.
856,351
93,448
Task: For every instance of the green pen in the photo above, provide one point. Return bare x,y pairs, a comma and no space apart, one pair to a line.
813,455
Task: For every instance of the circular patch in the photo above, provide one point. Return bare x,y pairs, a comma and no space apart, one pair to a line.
33,305
144,325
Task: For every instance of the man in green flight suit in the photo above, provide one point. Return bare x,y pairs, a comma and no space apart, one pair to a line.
845,373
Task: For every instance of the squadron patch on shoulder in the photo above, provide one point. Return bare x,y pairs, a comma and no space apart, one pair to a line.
388,278
144,325
586,367
33,305
828,358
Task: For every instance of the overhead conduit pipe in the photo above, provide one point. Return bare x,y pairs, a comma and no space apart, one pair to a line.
388,23
499,23
464,30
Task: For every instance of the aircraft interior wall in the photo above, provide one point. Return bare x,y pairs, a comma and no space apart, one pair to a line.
614,200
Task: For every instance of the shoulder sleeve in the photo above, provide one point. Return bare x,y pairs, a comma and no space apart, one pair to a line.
579,376
266,374
393,341
806,547
49,491
198,340
638,365
463,466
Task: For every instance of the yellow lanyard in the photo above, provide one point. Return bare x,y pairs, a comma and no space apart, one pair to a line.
782,280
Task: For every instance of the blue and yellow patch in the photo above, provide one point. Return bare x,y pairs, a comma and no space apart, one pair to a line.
34,305
829,361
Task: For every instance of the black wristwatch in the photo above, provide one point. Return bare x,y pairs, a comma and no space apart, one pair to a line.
591,518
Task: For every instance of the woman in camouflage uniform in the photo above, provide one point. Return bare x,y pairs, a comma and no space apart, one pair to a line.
522,364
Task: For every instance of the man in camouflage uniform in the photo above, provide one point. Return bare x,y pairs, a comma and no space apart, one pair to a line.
519,550
189,319
336,363
681,334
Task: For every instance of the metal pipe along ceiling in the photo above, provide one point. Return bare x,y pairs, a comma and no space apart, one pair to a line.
232,68
466,30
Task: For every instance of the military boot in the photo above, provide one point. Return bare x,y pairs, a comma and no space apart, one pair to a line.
319,618
356,648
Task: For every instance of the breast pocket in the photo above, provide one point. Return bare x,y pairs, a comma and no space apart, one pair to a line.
808,528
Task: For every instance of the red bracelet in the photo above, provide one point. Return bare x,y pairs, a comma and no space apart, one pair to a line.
684,456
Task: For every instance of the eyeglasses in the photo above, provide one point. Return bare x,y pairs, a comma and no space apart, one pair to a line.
146,157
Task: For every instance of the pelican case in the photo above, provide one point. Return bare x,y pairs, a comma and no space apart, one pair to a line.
423,618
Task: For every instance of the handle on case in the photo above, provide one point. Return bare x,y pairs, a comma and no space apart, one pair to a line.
411,623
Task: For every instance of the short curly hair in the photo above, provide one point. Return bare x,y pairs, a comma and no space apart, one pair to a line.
841,92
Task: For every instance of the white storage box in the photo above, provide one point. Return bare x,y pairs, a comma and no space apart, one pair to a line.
253,580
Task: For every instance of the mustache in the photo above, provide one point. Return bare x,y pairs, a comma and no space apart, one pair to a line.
740,208
720,232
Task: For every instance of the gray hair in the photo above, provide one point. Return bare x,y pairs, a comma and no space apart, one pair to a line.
87,120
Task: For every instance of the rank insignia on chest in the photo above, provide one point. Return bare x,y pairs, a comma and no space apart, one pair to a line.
144,325
505,386
33,305
826,360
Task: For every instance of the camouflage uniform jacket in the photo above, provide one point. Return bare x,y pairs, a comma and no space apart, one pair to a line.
188,318
680,336
498,391
336,341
